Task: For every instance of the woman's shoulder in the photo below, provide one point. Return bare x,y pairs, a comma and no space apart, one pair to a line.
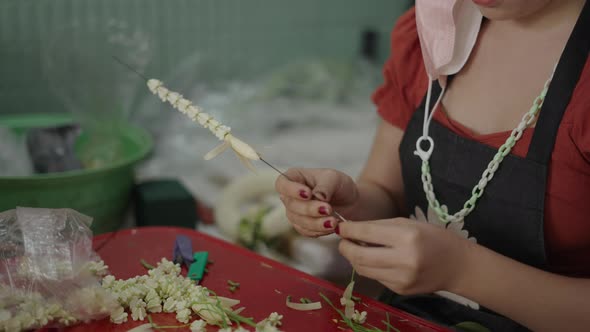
405,80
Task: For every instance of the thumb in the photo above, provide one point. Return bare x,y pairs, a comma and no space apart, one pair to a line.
326,186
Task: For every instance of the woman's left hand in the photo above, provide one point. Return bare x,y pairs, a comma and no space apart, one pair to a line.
414,257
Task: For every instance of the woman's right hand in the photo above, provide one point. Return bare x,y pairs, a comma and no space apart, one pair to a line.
311,195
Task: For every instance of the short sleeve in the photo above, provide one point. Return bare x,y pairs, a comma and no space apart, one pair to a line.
405,80
580,114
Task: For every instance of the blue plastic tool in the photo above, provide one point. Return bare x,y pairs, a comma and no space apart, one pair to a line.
183,251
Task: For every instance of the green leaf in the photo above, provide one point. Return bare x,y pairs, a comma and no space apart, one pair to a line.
472,327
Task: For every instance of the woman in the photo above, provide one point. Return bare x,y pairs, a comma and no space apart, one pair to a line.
502,170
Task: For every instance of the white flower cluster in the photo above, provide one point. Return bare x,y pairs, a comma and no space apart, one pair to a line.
163,289
97,268
30,310
185,106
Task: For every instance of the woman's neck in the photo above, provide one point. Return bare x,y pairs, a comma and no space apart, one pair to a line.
556,14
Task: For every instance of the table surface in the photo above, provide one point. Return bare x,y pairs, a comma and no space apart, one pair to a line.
264,283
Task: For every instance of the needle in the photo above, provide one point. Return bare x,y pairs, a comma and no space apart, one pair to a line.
264,161
286,176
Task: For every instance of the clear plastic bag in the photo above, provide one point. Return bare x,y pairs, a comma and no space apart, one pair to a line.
49,274
14,159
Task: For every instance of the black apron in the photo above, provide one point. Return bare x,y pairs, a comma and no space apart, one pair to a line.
509,217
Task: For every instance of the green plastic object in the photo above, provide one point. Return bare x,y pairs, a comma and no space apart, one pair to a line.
21,123
102,193
197,269
164,202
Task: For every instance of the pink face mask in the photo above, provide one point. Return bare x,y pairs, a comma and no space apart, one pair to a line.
447,30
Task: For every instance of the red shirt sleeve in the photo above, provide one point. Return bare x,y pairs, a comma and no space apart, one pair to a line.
405,79
580,119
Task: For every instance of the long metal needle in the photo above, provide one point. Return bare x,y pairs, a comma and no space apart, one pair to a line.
130,68
264,161
286,176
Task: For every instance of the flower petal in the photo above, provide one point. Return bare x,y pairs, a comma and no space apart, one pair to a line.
242,148
216,151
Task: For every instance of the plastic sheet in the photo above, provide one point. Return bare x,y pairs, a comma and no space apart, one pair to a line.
14,159
48,271
99,96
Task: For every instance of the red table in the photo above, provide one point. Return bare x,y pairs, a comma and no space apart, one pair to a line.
264,283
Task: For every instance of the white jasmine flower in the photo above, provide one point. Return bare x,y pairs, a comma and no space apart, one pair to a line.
183,104
169,305
173,97
119,316
98,268
198,326
137,307
108,281
183,315
359,317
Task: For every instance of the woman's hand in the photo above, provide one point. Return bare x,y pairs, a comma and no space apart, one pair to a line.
312,196
415,257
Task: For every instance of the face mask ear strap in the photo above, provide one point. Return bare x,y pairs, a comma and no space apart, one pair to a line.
424,154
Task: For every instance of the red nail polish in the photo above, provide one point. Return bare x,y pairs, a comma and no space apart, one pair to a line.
323,210
337,229
328,223
303,194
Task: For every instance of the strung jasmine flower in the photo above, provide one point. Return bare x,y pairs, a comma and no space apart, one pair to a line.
227,329
244,151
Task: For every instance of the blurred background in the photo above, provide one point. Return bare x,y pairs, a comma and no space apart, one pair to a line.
79,130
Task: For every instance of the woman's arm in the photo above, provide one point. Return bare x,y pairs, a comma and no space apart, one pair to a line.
540,300
420,258
380,185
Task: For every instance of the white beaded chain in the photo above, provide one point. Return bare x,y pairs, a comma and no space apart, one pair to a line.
487,175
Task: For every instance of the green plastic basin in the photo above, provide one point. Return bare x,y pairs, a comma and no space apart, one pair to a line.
102,193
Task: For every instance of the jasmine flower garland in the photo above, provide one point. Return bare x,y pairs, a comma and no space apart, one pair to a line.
244,152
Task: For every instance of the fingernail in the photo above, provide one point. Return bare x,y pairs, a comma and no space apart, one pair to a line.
337,229
320,196
303,194
328,223
323,210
